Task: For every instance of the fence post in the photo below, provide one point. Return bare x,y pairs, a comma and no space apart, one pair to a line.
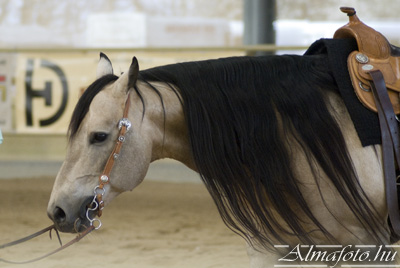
259,16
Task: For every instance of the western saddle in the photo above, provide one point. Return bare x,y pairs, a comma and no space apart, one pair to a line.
375,74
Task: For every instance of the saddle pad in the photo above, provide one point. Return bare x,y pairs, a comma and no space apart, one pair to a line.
365,121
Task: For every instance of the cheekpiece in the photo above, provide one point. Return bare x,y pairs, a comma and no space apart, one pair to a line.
124,122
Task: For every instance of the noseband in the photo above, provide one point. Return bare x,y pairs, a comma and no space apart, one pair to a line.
97,203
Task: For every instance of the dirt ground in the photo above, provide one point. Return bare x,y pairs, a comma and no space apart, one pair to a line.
157,225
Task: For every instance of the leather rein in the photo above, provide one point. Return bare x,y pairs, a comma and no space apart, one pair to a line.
388,122
45,230
95,206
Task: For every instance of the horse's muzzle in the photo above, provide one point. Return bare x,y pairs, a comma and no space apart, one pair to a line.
72,222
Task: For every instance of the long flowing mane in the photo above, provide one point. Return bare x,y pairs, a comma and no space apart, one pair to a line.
234,108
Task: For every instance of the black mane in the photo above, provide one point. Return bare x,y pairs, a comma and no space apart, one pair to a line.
231,106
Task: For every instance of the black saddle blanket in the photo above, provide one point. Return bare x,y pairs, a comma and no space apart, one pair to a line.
365,121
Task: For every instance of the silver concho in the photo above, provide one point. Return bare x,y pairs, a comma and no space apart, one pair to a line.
104,178
362,58
367,67
124,122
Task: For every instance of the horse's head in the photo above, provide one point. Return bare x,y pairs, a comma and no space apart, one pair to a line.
93,133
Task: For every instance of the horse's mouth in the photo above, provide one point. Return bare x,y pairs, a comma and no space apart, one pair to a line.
79,223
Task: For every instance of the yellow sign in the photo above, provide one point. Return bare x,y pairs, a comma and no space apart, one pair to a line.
48,89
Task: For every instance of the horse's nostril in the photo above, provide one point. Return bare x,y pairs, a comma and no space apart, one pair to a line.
59,215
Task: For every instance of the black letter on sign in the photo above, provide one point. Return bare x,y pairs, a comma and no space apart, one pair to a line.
44,93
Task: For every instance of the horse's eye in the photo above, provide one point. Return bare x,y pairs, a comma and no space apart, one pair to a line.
98,137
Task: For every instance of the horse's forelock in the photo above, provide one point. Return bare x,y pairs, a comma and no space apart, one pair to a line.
82,107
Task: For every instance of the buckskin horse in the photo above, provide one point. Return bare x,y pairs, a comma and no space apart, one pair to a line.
271,138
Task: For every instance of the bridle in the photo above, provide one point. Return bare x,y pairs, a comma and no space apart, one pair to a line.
97,203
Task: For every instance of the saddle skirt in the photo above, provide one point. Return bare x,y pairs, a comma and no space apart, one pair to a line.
374,53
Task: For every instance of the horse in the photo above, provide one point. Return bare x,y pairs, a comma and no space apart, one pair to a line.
270,137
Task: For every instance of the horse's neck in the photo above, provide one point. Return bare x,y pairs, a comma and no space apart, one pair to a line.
168,130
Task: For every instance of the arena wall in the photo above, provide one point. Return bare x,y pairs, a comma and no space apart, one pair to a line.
42,71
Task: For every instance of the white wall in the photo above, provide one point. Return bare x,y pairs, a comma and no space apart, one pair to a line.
65,23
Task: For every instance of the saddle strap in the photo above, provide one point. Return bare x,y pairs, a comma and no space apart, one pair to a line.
390,146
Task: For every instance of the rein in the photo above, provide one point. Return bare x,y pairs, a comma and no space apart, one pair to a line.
45,230
97,203
388,122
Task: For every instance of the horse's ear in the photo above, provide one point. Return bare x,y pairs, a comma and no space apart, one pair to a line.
128,79
104,67
133,73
